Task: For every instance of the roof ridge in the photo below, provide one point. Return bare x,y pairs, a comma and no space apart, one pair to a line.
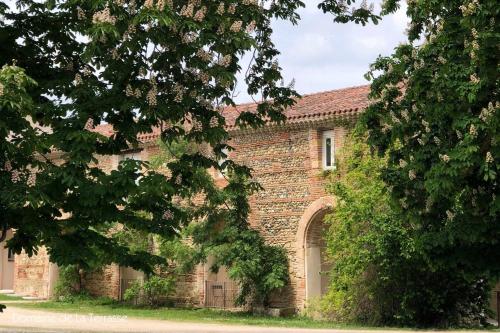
336,90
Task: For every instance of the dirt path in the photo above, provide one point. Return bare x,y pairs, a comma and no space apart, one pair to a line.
23,320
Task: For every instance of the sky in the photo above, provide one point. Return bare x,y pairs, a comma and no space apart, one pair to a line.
323,55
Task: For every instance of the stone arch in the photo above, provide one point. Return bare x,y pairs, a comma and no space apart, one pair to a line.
310,247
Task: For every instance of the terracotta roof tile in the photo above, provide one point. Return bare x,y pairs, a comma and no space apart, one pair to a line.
322,105
317,105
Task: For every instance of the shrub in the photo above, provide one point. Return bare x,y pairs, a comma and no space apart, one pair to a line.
68,284
154,291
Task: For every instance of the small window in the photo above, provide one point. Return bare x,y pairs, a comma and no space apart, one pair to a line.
10,255
131,156
136,156
328,147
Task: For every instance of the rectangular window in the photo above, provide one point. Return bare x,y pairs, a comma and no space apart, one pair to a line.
136,156
328,147
10,255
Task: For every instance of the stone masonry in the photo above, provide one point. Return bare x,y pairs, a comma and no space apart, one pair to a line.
286,160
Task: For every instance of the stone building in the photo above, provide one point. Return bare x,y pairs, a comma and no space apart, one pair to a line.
287,160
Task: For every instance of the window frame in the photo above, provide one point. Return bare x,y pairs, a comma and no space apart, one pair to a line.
222,173
325,135
11,256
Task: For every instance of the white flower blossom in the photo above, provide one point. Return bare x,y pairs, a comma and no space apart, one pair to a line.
114,54
103,16
450,215
236,26
204,55
402,163
203,77
445,158
489,158
200,14
412,175
220,9
232,9
15,176
487,113
225,61
197,125
474,78
31,179
473,131
1,89
470,8
129,92
137,93
87,71
78,79
151,96
188,10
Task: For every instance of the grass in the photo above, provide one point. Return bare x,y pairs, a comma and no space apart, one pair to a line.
107,308
10,298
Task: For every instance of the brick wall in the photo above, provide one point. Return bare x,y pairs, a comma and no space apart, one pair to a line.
287,162
104,282
31,274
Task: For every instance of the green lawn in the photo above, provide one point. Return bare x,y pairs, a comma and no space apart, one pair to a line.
108,307
178,314
10,298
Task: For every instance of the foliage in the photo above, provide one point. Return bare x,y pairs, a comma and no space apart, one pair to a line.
136,65
436,114
366,240
68,283
154,290
379,277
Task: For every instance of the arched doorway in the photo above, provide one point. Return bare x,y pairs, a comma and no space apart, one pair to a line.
312,248
316,264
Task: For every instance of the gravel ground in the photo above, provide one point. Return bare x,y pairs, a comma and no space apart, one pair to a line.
17,320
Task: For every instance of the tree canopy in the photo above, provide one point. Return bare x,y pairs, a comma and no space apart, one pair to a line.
134,65
436,112
436,115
